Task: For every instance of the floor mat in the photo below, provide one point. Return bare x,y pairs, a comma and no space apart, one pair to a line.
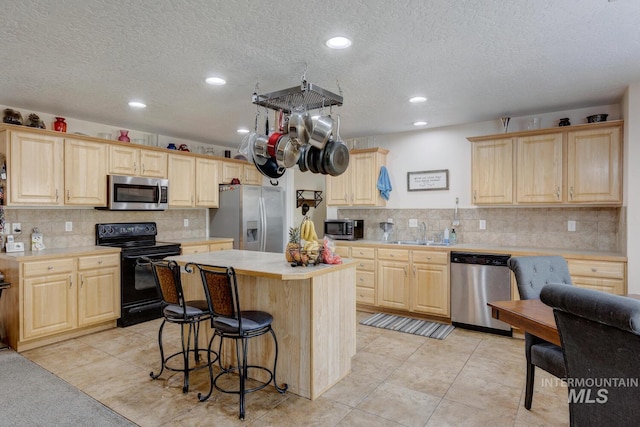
408,325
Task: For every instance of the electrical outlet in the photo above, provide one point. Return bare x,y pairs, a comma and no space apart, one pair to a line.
17,227
413,222
185,222
482,224
571,226
68,226
390,220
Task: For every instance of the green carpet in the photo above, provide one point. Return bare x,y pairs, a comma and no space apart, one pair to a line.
33,396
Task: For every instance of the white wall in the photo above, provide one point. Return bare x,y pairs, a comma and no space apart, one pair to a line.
631,111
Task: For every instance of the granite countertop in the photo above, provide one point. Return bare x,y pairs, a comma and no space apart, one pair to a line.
58,253
511,250
261,264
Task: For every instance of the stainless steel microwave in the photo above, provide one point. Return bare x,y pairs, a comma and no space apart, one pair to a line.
136,193
344,229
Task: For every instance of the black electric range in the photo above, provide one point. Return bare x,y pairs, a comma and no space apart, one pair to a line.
140,300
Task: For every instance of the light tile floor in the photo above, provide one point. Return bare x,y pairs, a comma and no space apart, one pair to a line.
468,379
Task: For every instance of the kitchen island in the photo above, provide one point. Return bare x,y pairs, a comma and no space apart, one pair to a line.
313,309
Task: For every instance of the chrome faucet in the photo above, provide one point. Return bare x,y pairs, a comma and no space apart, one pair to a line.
423,231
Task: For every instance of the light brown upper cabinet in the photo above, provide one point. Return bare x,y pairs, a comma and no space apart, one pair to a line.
182,179
34,168
207,175
247,173
539,168
85,173
492,172
566,165
50,170
133,161
357,186
594,165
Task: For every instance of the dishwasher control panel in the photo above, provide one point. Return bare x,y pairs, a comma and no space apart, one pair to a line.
498,260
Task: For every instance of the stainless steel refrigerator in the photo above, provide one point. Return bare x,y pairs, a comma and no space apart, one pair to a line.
252,215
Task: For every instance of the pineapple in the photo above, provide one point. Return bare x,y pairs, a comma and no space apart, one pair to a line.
293,247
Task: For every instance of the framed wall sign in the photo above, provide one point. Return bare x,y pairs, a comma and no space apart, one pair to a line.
428,180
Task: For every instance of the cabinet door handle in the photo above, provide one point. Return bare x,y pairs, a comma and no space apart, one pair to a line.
70,282
68,194
558,192
81,280
50,268
571,193
56,194
345,197
143,169
100,262
475,194
406,273
135,166
414,271
594,269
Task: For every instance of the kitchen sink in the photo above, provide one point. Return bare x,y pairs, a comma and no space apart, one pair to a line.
417,242
408,242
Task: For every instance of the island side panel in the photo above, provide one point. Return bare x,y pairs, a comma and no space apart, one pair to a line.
333,320
289,302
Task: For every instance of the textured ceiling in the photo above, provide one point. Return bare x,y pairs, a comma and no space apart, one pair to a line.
475,60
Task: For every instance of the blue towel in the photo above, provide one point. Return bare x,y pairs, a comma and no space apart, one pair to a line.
384,185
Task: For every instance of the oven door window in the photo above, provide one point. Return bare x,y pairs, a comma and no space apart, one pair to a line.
138,283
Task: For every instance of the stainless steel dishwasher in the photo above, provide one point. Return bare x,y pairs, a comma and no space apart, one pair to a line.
475,280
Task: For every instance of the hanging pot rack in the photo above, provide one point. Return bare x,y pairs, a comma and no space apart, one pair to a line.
305,97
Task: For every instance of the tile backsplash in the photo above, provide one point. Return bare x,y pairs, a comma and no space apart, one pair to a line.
51,223
599,229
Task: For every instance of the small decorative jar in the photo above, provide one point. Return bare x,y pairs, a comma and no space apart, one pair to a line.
564,122
124,136
172,146
60,125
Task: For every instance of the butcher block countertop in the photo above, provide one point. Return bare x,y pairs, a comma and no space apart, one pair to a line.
511,250
261,264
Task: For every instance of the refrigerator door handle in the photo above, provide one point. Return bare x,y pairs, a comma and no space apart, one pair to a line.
263,225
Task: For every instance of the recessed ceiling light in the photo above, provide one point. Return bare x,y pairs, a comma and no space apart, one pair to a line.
216,81
243,130
338,43
420,123
137,104
417,99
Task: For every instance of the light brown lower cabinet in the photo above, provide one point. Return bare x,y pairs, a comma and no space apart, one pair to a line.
198,248
605,276
393,278
401,279
59,298
365,274
429,289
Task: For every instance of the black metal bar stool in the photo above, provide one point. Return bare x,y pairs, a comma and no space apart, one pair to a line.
229,321
184,313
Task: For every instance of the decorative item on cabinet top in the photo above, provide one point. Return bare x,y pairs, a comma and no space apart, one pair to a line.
12,116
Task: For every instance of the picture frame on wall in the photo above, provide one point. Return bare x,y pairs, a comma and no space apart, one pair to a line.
428,180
